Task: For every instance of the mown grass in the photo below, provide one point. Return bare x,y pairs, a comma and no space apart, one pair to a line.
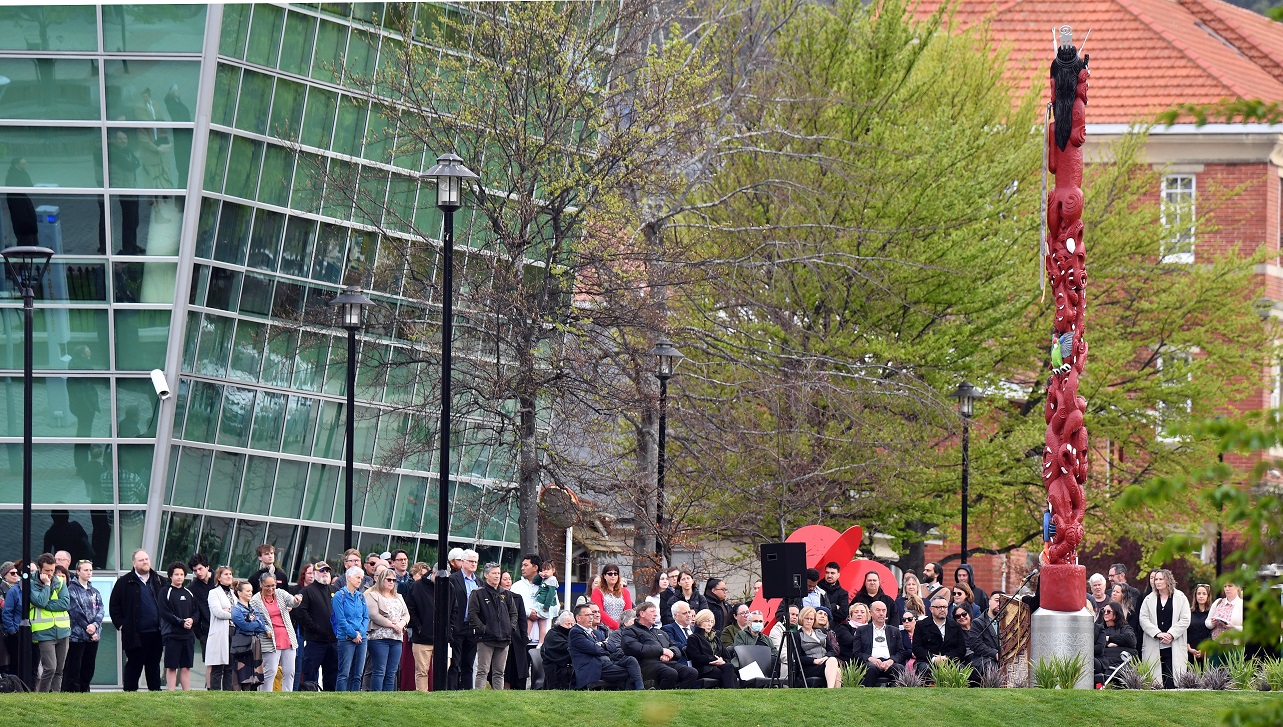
881,707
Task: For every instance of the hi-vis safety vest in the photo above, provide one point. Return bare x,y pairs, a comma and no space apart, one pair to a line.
43,619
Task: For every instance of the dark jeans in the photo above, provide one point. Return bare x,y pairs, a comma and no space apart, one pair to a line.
324,657
1165,660
144,659
624,672
670,675
222,678
465,655
724,674
78,674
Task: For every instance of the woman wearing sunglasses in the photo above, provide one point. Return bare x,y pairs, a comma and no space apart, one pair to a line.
388,618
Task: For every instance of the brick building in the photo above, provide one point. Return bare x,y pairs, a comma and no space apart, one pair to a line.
1148,56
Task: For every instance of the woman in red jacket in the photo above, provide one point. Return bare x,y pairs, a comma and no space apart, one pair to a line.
612,598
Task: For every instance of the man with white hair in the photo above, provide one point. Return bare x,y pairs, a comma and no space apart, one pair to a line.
463,643
558,670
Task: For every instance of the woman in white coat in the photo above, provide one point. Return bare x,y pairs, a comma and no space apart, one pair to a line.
218,670
1164,619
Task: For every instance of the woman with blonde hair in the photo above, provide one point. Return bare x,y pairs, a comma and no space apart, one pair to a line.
388,618
910,598
818,659
1164,621
217,651
702,648
1225,619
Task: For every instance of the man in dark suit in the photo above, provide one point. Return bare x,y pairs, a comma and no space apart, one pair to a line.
463,644
938,639
659,658
680,629
591,660
879,646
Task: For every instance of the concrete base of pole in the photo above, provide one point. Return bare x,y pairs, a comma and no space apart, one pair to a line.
1063,634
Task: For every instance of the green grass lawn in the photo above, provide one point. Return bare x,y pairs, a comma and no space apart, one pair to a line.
784,707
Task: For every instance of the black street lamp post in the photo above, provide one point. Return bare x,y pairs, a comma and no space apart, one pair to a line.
450,175
26,267
666,359
966,394
351,304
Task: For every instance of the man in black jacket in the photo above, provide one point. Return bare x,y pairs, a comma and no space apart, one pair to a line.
313,615
421,603
938,639
492,614
872,592
267,564
591,660
202,583
839,599
135,612
463,644
659,658
880,647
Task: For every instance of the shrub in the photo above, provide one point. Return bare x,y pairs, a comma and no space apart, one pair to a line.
909,678
853,674
1272,674
1242,671
1059,672
992,677
951,675
1215,678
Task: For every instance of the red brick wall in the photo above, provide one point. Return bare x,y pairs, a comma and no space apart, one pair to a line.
988,568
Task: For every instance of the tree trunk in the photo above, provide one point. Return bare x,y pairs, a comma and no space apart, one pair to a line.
644,499
528,478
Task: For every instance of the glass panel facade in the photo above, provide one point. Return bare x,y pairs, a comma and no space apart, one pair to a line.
223,283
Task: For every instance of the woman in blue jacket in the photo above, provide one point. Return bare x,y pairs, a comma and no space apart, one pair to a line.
350,618
249,671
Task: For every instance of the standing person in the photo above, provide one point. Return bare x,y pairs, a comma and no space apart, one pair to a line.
872,593
463,643
1097,595
421,604
351,620
279,641
612,598
839,599
202,583
178,618
388,618
715,591
305,578
492,614
660,589
401,565
529,590
1225,619
50,622
1199,631
1118,574
249,627
517,672
218,650
87,611
1120,593
313,613
1164,620
267,564
964,573
685,591
135,612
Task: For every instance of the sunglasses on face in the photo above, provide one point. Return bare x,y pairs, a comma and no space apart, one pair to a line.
612,573
960,615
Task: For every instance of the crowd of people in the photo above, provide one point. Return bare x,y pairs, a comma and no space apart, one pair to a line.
367,624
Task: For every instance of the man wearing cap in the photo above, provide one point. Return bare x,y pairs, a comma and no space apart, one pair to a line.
463,642
455,560
313,614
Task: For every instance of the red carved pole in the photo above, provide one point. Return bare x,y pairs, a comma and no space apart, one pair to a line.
1064,465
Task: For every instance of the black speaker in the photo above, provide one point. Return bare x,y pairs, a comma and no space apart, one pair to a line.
783,570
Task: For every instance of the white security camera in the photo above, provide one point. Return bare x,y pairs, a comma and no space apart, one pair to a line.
159,383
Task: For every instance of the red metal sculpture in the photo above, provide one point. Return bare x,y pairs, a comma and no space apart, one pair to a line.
1064,464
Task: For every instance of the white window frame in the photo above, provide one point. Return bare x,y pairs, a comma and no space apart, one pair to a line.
1177,214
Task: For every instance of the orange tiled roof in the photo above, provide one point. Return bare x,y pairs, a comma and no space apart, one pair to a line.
1146,55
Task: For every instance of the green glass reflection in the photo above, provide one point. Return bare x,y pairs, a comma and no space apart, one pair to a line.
318,121
137,407
149,226
145,282
309,371
300,234
202,412
214,538
269,421
322,484
315,543
256,295
155,28
331,430
181,532
192,477
379,499
53,157
331,247
80,333
331,45
158,91
147,158
278,362
215,346
134,473
227,83
392,429
247,351
61,406
265,35
291,483
192,336
296,47
466,511
365,427
253,103
68,473
142,337
48,89
238,412
410,501
81,281
233,233
300,421
260,478
85,534
49,27
278,176
225,481
287,109
243,166
74,219
234,26
224,292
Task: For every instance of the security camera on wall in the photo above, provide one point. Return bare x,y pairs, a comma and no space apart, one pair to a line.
159,383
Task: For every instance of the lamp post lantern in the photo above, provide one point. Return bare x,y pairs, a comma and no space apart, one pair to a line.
26,266
966,394
451,176
351,304
667,357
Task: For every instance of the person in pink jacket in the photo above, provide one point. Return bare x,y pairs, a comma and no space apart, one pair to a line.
612,597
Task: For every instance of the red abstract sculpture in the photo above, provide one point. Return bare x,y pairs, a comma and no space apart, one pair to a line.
1064,462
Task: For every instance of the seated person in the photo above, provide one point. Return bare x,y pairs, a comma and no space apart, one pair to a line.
614,642
880,646
858,616
818,659
938,638
592,663
659,658
1114,637
753,636
702,648
982,643
679,631
558,670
